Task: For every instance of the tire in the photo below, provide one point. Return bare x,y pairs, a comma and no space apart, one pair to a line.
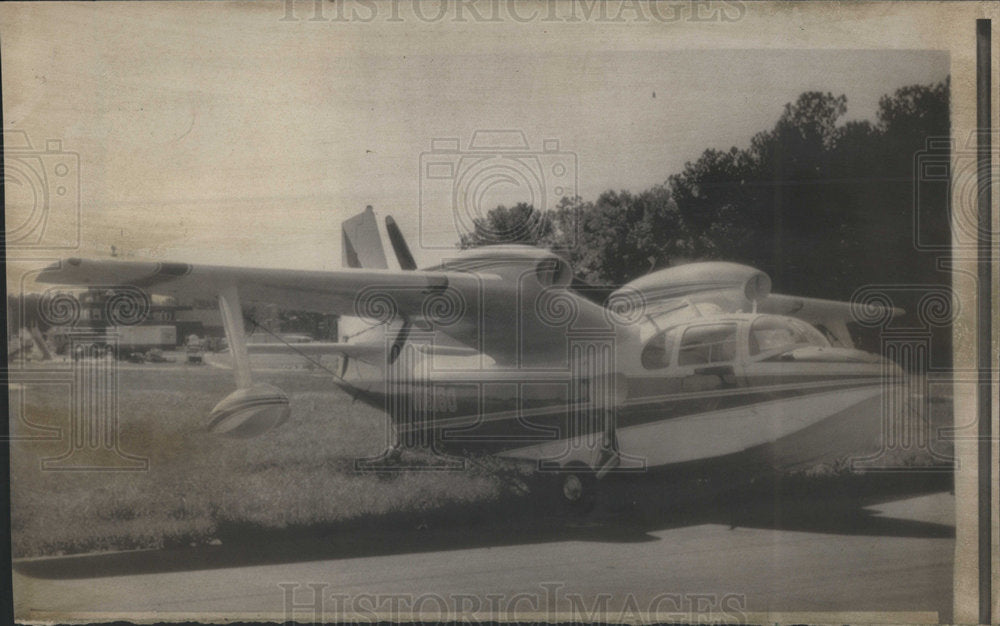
578,487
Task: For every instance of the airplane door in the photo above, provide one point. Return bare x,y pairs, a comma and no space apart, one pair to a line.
706,359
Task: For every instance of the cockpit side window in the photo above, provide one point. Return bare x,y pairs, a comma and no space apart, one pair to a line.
708,343
659,350
774,333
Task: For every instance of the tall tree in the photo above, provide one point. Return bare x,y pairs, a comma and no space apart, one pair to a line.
519,224
823,206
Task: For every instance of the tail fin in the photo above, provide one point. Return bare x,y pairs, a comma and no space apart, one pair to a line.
399,246
362,243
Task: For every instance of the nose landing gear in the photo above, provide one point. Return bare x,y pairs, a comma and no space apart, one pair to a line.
578,480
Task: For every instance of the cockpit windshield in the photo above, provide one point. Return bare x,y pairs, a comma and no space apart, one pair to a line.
771,334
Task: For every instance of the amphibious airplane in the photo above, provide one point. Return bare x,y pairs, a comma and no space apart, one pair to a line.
500,350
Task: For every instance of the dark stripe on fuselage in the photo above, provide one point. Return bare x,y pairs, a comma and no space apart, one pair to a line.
640,387
660,408
495,426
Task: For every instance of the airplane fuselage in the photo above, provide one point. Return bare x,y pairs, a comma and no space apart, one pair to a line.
673,390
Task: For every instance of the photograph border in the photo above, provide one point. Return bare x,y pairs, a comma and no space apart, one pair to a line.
974,560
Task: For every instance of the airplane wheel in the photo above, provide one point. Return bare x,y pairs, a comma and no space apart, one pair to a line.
578,487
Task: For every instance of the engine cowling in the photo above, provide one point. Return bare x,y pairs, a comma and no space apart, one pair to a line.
514,262
692,279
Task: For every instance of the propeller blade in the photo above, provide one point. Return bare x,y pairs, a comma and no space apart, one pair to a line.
399,246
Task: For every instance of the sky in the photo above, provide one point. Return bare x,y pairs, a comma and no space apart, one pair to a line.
220,133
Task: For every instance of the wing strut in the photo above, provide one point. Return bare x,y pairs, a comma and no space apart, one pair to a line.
252,409
232,321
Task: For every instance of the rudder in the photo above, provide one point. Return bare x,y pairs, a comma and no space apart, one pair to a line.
361,243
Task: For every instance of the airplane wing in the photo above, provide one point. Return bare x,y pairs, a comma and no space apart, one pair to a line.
352,292
812,308
829,315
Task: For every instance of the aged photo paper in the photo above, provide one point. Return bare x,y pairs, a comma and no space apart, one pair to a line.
501,310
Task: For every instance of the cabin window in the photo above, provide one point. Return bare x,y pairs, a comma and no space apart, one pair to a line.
774,333
659,350
708,343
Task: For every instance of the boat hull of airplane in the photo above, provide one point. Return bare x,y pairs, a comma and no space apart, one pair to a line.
782,427
824,427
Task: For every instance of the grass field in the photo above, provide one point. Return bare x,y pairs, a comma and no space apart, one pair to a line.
200,487
299,474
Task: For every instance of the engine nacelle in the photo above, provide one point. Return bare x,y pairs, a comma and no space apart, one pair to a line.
249,412
513,262
700,278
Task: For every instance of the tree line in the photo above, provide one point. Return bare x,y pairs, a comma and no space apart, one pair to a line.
823,206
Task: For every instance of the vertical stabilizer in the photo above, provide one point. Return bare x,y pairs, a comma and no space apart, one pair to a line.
361,243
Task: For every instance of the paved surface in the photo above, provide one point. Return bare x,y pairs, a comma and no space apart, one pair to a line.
893,555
